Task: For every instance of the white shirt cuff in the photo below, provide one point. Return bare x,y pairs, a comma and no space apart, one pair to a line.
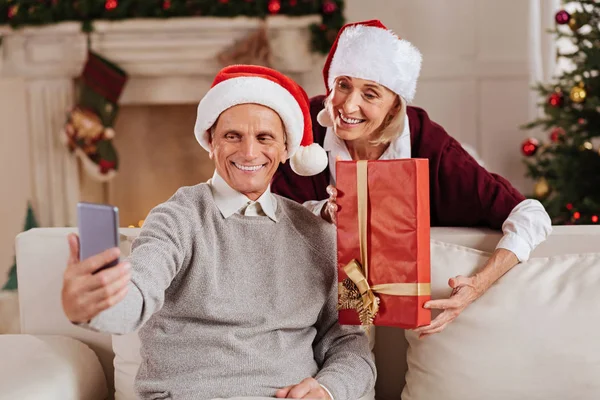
328,392
525,228
315,206
514,243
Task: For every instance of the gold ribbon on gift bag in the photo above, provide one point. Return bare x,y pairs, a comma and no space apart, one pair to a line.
355,292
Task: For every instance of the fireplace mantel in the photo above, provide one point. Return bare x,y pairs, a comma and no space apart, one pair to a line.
169,61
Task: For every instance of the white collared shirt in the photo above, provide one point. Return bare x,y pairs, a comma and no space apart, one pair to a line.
229,201
524,229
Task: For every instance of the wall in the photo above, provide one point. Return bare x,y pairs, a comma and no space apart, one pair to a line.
14,169
475,76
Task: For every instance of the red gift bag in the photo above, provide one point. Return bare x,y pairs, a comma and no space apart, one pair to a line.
383,248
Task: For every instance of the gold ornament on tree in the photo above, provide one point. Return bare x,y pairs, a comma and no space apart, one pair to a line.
578,93
578,20
541,188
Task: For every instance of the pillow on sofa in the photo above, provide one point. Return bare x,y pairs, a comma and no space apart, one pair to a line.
49,367
127,362
533,335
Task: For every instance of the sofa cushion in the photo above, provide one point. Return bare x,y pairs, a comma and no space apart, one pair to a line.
127,362
49,367
533,335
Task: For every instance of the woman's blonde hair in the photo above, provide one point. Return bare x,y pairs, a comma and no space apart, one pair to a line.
391,127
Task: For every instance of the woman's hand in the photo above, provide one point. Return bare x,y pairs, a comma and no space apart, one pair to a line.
329,210
465,290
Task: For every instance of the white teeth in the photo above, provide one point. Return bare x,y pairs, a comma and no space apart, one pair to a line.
248,167
350,120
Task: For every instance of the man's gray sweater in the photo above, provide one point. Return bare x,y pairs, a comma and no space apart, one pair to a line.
241,306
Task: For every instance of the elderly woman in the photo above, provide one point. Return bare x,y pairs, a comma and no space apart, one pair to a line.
371,76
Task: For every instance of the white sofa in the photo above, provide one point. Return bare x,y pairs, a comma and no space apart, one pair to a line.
548,308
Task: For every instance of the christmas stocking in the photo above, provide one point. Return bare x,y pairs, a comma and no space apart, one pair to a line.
88,132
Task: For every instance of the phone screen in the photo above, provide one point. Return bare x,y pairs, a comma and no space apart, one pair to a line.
98,230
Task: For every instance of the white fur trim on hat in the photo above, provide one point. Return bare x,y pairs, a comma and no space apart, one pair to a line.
378,55
309,160
245,90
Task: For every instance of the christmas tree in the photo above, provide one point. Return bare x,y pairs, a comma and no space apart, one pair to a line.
566,166
30,222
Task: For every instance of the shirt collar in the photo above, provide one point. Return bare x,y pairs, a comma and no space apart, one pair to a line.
229,201
399,148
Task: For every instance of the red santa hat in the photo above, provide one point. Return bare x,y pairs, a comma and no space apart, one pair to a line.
243,84
368,50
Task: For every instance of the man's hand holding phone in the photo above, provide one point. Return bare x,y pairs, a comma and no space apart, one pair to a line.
86,293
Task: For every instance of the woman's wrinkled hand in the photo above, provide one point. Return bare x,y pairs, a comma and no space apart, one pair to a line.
465,290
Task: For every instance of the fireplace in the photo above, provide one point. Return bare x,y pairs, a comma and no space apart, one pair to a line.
171,64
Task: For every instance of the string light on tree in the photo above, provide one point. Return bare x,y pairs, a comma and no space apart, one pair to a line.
576,215
111,4
274,6
594,218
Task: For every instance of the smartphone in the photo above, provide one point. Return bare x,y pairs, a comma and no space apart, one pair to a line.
98,230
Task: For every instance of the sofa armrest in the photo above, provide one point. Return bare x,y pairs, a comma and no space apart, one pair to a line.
49,367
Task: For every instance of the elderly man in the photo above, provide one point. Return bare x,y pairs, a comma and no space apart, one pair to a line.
233,287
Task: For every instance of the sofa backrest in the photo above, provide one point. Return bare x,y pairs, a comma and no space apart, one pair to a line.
42,254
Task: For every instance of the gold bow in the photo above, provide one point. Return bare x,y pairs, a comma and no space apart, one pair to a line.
355,292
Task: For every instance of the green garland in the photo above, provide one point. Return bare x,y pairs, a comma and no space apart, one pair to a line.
17,13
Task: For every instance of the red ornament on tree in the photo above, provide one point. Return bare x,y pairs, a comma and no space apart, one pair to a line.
12,11
556,134
166,4
530,146
576,215
594,218
569,206
111,4
223,1
562,17
556,99
329,7
274,6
